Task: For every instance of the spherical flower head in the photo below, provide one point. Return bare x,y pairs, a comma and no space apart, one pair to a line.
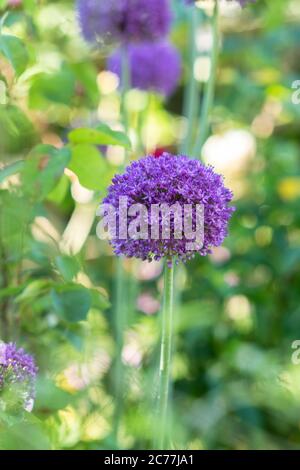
123,20
153,66
17,377
171,180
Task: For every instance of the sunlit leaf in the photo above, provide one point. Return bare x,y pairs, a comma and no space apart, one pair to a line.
100,135
42,170
15,52
90,166
72,302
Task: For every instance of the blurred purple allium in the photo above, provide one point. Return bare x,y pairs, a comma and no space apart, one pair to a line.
153,66
244,2
123,20
17,374
170,179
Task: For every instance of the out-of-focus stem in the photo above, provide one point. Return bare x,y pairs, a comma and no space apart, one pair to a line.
191,90
210,87
5,303
165,356
120,307
125,85
120,320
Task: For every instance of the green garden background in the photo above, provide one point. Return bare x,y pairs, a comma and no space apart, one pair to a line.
235,371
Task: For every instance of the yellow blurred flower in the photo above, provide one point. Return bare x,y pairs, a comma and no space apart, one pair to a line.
289,188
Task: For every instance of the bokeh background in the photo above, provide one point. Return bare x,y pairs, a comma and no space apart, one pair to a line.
235,385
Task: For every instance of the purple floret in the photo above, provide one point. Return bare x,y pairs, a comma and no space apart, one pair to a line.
18,368
123,20
153,66
171,179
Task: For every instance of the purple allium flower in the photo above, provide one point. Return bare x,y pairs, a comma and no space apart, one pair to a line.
153,66
17,374
170,179
124,20
243,3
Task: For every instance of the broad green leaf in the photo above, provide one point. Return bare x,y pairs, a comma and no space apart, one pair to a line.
10,170
10,291
33,290
17,132
86,75
74,334
99,300
42,170
57,87
24,433
49,396
13,17
100,135
15,52
60,191
90,166
16,213
68,266
72,302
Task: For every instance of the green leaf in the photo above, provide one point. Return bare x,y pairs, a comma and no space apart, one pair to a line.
86,75
10,170
13,17
27,433
90,166
100,135
16,213
17,132
42,170
99,300
33,290
72,302
49,396
10,291
60,191
15,52
74,334
57,87
67,266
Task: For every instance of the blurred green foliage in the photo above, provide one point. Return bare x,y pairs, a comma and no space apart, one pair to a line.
235,385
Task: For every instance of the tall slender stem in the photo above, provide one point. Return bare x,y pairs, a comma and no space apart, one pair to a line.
210,87
120,307
165,355
191,91
5,303
120,320
125,85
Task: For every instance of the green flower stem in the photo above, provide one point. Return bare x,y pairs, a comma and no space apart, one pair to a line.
165,355
125,73
120,321
192,87
120,308
210,87
4,305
